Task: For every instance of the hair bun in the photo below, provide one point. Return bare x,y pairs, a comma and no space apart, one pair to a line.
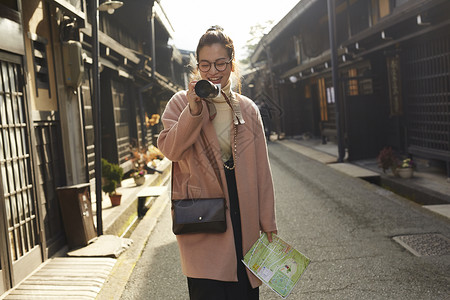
215,28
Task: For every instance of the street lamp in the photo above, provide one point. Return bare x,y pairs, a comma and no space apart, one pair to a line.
110,6
293,79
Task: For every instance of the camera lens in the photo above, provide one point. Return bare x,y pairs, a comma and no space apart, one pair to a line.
206,89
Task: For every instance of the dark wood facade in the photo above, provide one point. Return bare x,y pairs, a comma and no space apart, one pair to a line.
47,121
393,75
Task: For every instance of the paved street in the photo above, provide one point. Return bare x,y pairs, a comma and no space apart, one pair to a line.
344,225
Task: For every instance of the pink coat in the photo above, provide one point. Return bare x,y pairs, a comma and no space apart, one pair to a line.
213,256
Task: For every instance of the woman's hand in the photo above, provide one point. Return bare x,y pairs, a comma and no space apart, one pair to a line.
269,235
195,102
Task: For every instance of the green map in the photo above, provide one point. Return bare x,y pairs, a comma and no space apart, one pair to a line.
277,264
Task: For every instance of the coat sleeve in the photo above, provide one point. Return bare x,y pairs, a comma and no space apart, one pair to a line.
266,195
181,128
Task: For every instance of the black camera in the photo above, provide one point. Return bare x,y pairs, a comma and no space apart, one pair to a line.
207,89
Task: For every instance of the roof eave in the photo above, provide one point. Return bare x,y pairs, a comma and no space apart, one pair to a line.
267,39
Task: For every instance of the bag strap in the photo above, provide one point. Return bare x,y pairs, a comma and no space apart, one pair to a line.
212,161
237,119
210,156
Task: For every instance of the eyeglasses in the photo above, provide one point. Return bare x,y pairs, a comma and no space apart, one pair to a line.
220,65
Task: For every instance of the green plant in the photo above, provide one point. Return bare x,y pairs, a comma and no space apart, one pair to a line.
113,174
387,159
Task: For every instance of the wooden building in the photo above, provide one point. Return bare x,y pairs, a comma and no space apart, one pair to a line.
393,75
46,110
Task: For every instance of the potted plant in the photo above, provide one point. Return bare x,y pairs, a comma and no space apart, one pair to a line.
144,162
405,169
139,177
387,160
112,174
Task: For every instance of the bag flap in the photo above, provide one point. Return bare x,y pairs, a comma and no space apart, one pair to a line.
199,210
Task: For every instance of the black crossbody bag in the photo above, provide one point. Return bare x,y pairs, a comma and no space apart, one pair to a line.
207,215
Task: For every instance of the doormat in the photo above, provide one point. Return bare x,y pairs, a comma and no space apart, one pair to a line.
103,246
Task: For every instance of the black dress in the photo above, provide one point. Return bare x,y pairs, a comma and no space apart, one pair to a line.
208,289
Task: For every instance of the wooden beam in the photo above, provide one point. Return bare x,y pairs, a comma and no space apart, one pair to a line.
69,8
113,44
405,12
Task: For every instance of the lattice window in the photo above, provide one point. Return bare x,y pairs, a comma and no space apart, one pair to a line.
15,165
88,115
39,51
358,80
322,100
121,119
427,93
51,176
352,83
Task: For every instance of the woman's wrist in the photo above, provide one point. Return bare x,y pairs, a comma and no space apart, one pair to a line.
196,111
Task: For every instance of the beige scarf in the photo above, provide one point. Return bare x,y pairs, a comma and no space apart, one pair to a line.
237,115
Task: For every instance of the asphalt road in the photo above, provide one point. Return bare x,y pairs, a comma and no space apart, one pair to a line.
344,225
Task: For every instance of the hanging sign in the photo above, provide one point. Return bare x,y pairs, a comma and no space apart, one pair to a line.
395,90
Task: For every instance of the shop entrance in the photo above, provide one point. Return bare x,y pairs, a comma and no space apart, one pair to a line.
20,243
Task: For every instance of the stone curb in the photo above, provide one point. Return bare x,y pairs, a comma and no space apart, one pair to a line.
120,274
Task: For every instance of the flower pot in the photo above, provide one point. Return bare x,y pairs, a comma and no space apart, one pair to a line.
405,172
115,199
139,180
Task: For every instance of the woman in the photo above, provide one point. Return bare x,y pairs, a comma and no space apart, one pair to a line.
233,128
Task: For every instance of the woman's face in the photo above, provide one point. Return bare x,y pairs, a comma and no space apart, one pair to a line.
215,53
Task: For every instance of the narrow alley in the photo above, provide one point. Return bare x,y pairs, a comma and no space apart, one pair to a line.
343,224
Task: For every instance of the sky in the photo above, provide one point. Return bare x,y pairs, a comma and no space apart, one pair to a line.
191,18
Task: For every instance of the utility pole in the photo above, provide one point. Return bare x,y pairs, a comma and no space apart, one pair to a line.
335,75
275,98
153,39
97,115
